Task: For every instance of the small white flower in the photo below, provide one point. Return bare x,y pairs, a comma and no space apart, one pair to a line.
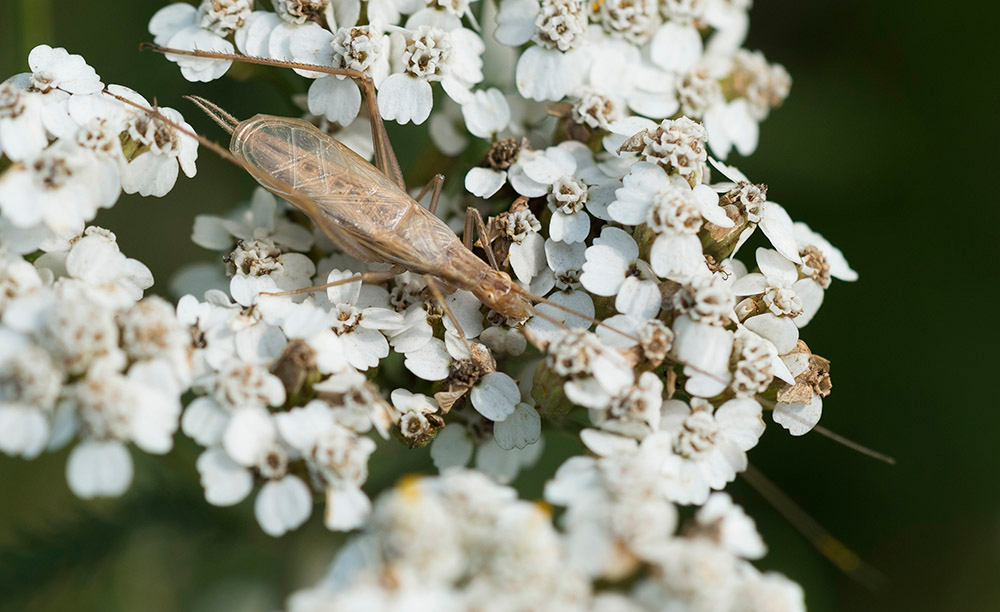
770,216
790,301
707,449
359,327
62,187
362,48
163,149
634,411
205,28
261,219
428,54
613,268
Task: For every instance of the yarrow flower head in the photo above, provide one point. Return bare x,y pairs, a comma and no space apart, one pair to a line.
598,288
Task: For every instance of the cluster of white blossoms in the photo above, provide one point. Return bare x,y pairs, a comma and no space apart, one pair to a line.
83,355
460,542
596,153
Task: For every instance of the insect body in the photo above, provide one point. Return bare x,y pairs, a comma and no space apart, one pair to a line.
363,211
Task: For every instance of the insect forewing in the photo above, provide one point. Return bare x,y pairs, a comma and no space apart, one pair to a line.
301,160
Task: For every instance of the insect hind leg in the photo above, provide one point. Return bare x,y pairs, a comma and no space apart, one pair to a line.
374,278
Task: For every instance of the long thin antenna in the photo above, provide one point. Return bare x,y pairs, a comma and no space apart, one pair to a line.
216,113
851,444
835,551
836,437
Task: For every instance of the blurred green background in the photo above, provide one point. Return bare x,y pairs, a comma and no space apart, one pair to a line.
892,112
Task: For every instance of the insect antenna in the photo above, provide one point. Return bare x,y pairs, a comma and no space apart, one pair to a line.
215,112
835,551
836,437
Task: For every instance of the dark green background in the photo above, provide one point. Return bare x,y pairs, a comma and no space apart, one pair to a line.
886,146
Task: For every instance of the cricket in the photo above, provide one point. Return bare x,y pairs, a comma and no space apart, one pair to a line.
366,211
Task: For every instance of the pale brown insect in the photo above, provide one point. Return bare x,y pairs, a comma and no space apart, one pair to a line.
364,209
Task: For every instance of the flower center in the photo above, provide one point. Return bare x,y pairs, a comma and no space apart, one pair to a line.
357,48
256,257
346,318
223,17
783,302
673,211
428,54
567,195
560,23
697,435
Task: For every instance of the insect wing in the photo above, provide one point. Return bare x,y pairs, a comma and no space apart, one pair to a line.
301,161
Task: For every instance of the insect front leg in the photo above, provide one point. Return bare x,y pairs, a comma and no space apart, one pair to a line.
434,286
474,222
436,184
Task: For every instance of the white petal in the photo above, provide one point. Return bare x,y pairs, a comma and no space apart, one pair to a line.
569,228
543,74
676,48
283,505
24,431
777,226
639,298
431,362
604,270
339,100
225,482
99,469
776,267
404,98
249,433
346,508
677,257
495,396
799,419
779,330
607,444
751,284
452,447
527,258
484,182
486,113
811,295
516,22
521,428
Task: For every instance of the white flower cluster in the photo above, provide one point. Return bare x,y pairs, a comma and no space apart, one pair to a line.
84,355
402,57
615,62
460,542
72,150
649,338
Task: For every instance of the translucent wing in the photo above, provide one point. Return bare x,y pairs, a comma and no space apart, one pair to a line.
299,162
358,207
